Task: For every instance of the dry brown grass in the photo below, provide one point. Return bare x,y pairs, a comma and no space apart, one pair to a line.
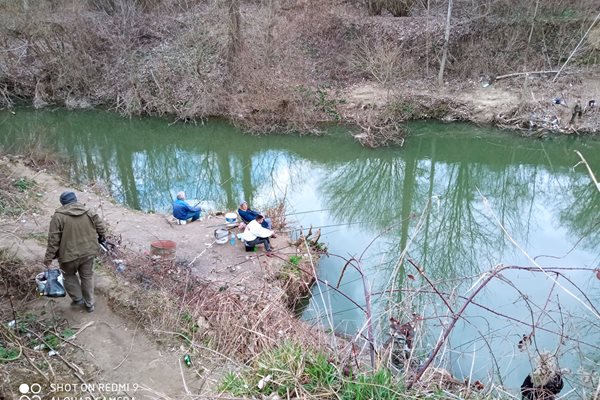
169,300
16,278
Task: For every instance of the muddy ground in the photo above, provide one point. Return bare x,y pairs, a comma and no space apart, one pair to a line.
113,347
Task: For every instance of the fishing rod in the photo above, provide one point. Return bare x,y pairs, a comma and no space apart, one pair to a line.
323,226
308,212
285,215
234,224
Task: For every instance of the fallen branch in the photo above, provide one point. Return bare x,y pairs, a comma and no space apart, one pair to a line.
81,330
187,391
77,371
130,347
525,73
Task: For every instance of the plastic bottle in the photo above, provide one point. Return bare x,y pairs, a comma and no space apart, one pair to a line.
187,360
41,286
232,239
40,280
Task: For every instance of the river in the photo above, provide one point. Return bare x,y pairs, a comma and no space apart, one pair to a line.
456,199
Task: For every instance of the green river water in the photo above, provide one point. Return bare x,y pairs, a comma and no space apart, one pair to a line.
461,199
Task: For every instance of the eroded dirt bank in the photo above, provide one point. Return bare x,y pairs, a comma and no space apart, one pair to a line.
217,303
526,105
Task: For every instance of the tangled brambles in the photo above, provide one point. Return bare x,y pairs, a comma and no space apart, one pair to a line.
169,299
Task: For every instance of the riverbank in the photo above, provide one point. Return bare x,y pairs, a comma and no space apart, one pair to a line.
296,64
215,302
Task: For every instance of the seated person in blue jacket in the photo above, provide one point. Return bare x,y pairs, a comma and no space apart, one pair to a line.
247,215
183,211
256,234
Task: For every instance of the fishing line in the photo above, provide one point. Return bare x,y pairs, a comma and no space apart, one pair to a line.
308,212
324,226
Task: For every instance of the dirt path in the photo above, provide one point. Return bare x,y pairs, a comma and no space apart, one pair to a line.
117,351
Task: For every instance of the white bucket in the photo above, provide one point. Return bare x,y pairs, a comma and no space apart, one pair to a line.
221,236
230,217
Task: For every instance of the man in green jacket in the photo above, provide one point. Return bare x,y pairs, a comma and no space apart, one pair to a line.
73,239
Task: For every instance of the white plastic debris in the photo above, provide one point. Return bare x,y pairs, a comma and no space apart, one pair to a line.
261,384
12,324
52,353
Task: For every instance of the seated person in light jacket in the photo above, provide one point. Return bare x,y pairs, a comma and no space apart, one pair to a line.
183,211
256,234
247,215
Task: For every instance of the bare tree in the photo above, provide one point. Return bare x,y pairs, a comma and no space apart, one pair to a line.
235,37
398,8
445,48
374,7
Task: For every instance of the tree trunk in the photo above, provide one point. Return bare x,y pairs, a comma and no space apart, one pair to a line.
399,8
374,7
235,38
271,4
427,41
445,48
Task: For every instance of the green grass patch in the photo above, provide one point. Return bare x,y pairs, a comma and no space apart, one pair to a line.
24,184
292,370
7,208
8,354
189,325
51,341
186,317
25,321
322,100
67,333
234,384
380,385
40,237
295,260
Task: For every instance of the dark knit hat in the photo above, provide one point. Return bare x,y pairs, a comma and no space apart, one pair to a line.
67,198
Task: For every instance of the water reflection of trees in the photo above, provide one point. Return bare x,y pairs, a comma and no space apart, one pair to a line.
457,236
146,175
395,191
583,216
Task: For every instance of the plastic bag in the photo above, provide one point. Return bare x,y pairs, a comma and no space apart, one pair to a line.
51,283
